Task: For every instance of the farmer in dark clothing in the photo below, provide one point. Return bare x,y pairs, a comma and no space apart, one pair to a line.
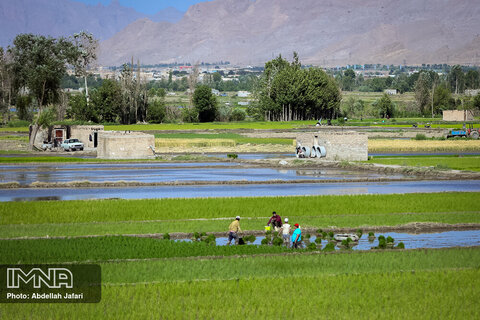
276,221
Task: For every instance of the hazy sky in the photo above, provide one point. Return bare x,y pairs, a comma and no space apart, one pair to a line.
148,6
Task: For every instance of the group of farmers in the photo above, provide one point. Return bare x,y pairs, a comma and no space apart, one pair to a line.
276,222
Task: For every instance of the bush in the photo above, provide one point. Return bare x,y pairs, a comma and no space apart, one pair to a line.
156,111
18,123
189,115
420,136
238,115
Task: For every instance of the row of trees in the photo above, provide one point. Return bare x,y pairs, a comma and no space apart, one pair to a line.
286,91
456,80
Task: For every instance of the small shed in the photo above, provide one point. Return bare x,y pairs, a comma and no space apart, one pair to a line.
457,115
339,145
125,145
87,134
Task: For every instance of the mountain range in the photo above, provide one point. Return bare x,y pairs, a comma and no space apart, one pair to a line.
66,17
250,32
325,32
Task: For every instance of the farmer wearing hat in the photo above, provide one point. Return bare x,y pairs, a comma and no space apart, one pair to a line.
286,232
296,236
233,230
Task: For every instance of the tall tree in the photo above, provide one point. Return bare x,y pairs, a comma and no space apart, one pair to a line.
286,91
422,92
6,83
472,79
39,63
348,80
205,103
456,78
85,55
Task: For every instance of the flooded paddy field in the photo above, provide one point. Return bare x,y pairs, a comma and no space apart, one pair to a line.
434,240
233,190
173,172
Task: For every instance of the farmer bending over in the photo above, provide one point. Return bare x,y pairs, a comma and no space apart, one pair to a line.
276,221
233,230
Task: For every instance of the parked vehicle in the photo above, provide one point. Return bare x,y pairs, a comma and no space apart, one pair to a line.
71,144
47,145
463,133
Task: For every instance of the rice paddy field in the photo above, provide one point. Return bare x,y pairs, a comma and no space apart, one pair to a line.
147,276
446,162
154,278
413,146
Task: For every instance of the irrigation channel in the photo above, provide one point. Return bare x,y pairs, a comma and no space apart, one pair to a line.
173,172
204,179
249,190
444,239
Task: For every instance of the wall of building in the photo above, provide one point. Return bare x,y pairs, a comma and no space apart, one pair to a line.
125,145
85,134
457,115
79,132
345,145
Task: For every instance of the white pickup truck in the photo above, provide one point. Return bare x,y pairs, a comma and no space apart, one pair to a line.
71,144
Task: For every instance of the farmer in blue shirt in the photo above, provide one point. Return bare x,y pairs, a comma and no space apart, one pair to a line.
296,236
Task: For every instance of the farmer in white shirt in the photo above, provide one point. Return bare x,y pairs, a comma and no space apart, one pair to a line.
286,232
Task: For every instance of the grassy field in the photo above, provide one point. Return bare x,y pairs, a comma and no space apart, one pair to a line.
442,283
145,278
466,162
412,146
101,217
235,137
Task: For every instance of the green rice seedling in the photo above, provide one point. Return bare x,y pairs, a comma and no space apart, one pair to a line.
324,235
330,235
311,246
264,241
329,247
371,236
166,236
318,240
359,233
319,231
390,239
232,156
250,238
211,239
277,241
401,245
307,236
381,237
382,243
196,236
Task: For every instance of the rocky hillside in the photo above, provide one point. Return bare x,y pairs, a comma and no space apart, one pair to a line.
325,32
65,17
